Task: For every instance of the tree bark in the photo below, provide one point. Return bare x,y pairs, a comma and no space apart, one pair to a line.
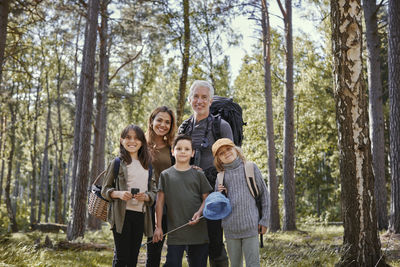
289,216
101,108
357,180
4,10
274,219
11,215
34,159
376,110
3,126
76,227
394,101
78,111
185,63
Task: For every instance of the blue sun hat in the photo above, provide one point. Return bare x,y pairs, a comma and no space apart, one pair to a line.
217,206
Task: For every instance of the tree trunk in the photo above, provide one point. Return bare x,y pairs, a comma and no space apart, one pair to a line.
59,145
394,100
185,63
67,186
274,219
34,159
101,108
4,10
376,111
3,126
11,215
78,111
76,227
357,180
289,201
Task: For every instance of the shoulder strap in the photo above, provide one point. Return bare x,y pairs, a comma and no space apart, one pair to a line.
220,177
185,126
250,179
216,127
116,167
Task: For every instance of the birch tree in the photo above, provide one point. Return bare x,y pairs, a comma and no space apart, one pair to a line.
357,180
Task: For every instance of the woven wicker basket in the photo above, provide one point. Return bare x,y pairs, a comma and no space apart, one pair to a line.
97,206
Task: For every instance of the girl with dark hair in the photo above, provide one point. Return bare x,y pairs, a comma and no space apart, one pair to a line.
131,194
160,134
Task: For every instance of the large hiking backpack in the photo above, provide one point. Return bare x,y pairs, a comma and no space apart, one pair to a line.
225,108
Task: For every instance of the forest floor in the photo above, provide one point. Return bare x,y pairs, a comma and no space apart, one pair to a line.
310,246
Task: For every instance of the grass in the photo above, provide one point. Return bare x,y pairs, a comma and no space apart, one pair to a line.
310,246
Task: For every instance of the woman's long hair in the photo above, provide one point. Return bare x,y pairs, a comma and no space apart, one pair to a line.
143,153
151,135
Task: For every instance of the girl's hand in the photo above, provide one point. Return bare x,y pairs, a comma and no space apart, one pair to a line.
222,188
142,197
157,235
123,195
195,218
262,229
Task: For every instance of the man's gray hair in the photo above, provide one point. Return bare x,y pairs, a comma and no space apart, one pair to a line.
200,83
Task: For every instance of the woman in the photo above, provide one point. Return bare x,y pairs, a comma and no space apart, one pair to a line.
160,134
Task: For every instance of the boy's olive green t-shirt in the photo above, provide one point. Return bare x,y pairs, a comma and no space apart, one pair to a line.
183,192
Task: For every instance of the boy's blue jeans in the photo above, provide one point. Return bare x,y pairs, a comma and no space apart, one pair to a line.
197,255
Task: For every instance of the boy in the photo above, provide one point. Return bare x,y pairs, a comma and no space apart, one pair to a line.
184,190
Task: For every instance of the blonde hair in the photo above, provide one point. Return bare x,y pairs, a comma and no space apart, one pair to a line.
218,163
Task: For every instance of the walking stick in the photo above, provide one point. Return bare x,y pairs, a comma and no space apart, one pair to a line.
173,230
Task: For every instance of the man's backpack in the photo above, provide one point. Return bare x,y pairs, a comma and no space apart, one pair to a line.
252,185
225,108
221,108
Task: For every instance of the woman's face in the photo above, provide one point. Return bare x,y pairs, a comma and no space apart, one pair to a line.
227,154
162,123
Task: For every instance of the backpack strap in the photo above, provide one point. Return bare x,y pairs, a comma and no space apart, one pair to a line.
220,178
149,178
185,126
216,127
117,162
250,178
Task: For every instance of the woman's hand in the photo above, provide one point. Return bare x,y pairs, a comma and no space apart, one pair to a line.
142,197
123,195
157,235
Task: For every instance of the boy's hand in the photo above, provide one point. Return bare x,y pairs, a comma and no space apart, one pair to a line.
262,229
158,235
195,219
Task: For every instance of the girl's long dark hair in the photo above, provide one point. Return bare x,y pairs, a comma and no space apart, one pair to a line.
143,153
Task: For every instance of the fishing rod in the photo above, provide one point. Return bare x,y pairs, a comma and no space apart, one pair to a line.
173,230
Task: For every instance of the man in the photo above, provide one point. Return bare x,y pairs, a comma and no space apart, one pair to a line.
200,127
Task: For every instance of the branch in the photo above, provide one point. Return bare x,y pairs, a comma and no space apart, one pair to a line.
281,8
126,63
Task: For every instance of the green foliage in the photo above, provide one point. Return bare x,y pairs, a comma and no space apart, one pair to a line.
316,156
